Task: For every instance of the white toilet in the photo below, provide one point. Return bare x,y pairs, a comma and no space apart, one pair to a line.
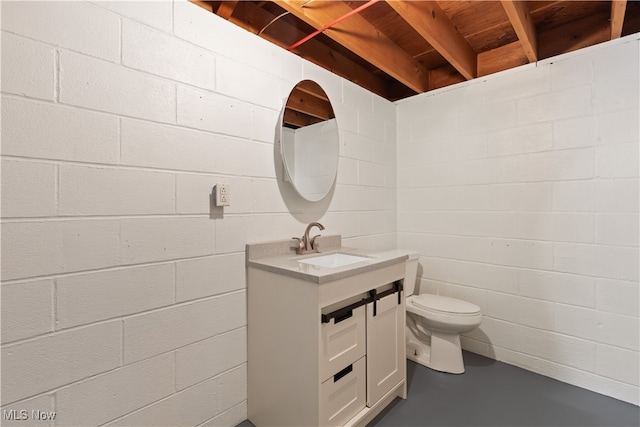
434,325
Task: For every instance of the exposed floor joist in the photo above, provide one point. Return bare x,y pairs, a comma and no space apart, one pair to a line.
226,8
618,8
523,25
255,19
361,38
307,104
397,48
428,19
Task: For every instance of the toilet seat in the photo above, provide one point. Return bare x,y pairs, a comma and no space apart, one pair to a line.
438,304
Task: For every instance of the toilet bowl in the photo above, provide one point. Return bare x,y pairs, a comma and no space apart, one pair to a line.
434,325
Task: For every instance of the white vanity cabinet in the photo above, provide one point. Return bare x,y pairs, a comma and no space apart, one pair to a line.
328,353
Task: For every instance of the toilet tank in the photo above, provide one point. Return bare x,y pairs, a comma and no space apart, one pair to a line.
410,273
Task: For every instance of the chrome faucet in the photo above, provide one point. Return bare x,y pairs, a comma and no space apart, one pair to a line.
304,243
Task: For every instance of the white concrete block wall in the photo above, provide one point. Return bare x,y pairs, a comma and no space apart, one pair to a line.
119,278
123,289
520,191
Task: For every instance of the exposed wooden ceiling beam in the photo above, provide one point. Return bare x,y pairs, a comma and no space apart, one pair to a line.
310,88
310,105
430,21
489,28
444,76
501,58
254,18
203,4
226,8
307,104
520,18
581,33
363,39
618,8
294,119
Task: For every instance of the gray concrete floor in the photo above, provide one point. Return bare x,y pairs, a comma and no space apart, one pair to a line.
492,393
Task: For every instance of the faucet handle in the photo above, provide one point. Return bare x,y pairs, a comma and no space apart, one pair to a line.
299,245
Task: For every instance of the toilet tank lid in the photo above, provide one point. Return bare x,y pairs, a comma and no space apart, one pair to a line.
445,304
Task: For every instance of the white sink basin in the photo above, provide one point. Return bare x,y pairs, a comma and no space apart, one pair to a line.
333,260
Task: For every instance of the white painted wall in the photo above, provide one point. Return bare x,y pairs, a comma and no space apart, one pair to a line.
123,291
520,191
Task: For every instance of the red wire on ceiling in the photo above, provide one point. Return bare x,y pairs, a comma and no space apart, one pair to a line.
332,23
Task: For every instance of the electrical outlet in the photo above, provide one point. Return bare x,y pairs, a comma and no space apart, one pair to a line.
222,195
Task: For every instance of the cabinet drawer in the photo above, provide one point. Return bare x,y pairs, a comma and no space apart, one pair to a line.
342,342
343,395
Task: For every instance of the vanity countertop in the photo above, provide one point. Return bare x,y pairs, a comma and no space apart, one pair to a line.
278,257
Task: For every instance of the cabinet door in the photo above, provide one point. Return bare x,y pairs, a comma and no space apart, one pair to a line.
386,364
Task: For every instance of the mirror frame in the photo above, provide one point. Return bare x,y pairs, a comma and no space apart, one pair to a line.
306,105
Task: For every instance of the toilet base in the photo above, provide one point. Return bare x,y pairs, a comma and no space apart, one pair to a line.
443,353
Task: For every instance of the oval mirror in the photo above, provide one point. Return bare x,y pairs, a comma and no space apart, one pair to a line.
309,141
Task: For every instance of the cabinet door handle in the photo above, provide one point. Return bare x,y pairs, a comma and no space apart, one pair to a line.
342,317
374,299
342,373
374,296
398,285
343,313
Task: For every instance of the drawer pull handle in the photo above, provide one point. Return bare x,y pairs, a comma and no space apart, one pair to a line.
343,313
342,317
374,296
342,373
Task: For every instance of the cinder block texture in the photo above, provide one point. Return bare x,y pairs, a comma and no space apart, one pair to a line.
231,417
156,332
159,16
123,286
156,146
161,54
105,397
110,191
48,131
26,309
42,403
135,283
204,277
211,112
31,249
210,357
28,189
162,239
194,405
84,82
538,222
51,361
31,55
90,297
96,32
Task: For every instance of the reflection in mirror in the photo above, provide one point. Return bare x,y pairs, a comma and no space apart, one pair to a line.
309,138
